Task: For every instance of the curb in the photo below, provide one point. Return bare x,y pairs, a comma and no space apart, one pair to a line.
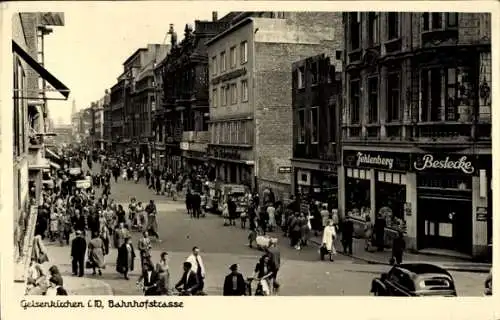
473,269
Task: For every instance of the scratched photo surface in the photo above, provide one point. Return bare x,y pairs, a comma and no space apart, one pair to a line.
271,153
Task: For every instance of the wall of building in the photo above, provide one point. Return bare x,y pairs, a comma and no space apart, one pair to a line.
279,43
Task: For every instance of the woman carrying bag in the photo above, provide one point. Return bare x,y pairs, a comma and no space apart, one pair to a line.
328,247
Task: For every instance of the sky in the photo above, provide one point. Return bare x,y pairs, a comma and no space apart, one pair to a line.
87,53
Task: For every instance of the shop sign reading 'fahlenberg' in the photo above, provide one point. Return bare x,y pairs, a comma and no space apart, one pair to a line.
363,158
428,162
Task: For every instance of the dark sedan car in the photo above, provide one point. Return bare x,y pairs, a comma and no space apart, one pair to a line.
414,279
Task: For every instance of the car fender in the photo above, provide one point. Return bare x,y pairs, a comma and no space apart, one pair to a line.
378,285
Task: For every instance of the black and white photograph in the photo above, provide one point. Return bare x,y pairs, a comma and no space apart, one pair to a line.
189,150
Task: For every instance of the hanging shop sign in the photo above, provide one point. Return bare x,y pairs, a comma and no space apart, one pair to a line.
224,153
328,167
377,160
461,163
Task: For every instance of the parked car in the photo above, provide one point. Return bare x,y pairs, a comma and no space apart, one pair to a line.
488,285
414,279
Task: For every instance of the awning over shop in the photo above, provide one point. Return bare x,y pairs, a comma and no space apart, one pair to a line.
44,73
54,165
52,154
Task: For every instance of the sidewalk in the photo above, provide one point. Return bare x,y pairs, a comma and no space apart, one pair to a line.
60,257
448,263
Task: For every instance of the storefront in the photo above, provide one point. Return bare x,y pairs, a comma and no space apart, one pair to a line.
316,182
375,184
232,165
454,209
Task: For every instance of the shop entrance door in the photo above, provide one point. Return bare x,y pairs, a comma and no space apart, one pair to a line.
444,223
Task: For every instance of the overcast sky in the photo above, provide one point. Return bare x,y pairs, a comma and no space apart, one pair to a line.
87,53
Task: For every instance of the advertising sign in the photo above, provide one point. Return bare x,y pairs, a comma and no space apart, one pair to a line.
461,163
75,171
376,160
83,184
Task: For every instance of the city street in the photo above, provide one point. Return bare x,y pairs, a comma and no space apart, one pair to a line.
301,272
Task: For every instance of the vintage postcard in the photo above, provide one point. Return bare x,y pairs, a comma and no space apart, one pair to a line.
169,156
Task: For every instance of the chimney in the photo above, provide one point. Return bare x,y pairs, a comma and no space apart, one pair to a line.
214,16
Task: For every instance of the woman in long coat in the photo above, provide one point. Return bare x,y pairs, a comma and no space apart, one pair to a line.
96,253
329,235
125,260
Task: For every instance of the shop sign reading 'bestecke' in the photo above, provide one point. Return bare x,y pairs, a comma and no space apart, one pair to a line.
428,162
377,160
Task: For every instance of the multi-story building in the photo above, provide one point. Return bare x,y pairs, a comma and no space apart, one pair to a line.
98,123
417,126
250,96
316,102
117,99
144,99
28,127
186,103
107,120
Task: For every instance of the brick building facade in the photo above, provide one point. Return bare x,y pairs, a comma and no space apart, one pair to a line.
417,126
259,86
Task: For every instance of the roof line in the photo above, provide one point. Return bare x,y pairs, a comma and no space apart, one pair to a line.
229,30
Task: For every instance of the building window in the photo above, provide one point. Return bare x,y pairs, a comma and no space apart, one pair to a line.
228,94
223,61
214,98
244,52
373,30
394,96
302,126
244,90
314,73
332,120
234,93
440,94
373,100
314,124
214,66
355,30
392,25
217,133
354,101
439,20
301,81
232,54
451,19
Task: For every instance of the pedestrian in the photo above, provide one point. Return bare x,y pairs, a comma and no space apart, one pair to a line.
55,274
379,230
149,279
231,207
189,203
55,288
225,213
347,234
196,204
234,283
96,254
164,274
189,282
325,215
152,222
37,281
275,256
294,230
368,232
328,241
198,267
271,213
125,259
120,234
145,247
78,249
398,248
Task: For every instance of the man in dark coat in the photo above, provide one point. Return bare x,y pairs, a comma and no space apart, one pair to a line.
188,284
196,205
231,207
78,248
125,260
379,231
150,280
347,234
234,283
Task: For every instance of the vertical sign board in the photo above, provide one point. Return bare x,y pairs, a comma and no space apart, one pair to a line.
51,18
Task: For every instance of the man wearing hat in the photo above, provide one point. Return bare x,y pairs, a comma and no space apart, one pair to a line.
78,248
234,284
